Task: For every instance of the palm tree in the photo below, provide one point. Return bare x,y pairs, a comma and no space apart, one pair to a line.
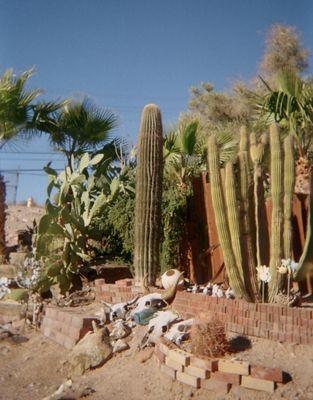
291,105
19,117
80,127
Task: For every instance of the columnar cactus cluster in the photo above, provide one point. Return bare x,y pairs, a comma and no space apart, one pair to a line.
237,211
149,176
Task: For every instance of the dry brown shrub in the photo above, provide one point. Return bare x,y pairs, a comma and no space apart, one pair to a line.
208,338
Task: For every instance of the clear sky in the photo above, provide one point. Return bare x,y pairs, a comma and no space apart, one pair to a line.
126,53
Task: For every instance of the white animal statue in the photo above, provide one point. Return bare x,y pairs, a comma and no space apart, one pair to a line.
151,299
158,326
179,331
170,277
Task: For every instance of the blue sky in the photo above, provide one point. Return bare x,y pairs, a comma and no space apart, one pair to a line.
124,54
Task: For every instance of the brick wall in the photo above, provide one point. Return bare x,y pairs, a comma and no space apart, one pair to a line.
65,326
269,321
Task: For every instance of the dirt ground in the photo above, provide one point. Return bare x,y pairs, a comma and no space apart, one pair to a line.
32,367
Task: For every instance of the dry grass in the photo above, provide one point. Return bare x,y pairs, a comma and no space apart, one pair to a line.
208,339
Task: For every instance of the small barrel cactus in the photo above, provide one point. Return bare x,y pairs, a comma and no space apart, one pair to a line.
149,175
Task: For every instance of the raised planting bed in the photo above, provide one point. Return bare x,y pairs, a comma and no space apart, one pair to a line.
268,321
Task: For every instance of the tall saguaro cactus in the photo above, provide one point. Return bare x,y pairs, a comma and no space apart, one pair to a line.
149,175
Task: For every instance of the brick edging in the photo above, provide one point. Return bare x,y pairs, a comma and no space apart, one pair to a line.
218,375
268,321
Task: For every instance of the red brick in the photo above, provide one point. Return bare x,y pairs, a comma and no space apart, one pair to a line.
234,379
99,282
124,282
269,374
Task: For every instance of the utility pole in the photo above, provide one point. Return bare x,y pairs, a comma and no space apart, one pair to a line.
16,185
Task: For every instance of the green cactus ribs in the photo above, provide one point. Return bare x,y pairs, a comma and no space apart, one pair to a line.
149,175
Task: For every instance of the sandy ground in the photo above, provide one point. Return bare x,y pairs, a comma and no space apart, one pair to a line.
32,367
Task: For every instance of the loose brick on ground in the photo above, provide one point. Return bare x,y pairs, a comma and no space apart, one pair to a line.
257,384
179,356
174,364
188,379
210,365
234,379
218,387
197,372
269,374
234,367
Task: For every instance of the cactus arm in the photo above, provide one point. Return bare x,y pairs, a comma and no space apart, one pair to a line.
221,220
232,213
289,180
247,215
305,265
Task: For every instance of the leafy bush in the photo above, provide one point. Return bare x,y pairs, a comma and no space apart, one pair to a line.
174,215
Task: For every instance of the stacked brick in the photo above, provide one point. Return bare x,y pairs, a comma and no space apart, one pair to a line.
215,375
269,321
118,292
65,326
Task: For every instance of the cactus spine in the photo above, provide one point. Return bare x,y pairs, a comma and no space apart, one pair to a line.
149,175
276,224
221,220
289,182
232,214
246,201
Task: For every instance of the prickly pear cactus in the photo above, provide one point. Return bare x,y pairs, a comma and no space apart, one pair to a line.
149,175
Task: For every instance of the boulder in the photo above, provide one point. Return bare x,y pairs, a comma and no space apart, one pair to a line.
90,352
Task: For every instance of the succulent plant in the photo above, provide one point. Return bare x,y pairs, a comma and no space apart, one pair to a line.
222,225
149,175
